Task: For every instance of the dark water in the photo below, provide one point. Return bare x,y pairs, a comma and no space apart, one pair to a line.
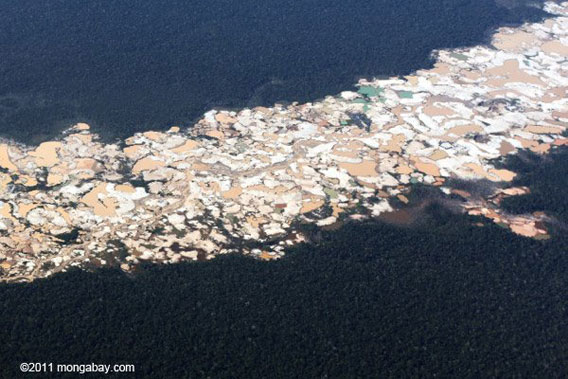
126,66
444,299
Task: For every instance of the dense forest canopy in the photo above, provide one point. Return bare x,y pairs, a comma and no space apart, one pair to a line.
126,66
444,297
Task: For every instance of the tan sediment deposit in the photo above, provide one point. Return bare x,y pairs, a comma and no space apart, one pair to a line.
514,42
189,145
84,138
154,136
503,175
438,154
126,188
5,161
524,230
465,129
395,143
86,164
133,152
543,148
256,221
46,153
23,209
312,205
426,167
102,206
438,109
477,170
225,119
511,72
28,181
494,175
216,134
555,47
540,129
6,212
506,148
233,193
54,179
147,164
365,168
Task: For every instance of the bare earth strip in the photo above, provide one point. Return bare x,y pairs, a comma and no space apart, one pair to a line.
237,179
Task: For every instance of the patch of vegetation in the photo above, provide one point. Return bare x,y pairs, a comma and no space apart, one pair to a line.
150,72
446,298
540,173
